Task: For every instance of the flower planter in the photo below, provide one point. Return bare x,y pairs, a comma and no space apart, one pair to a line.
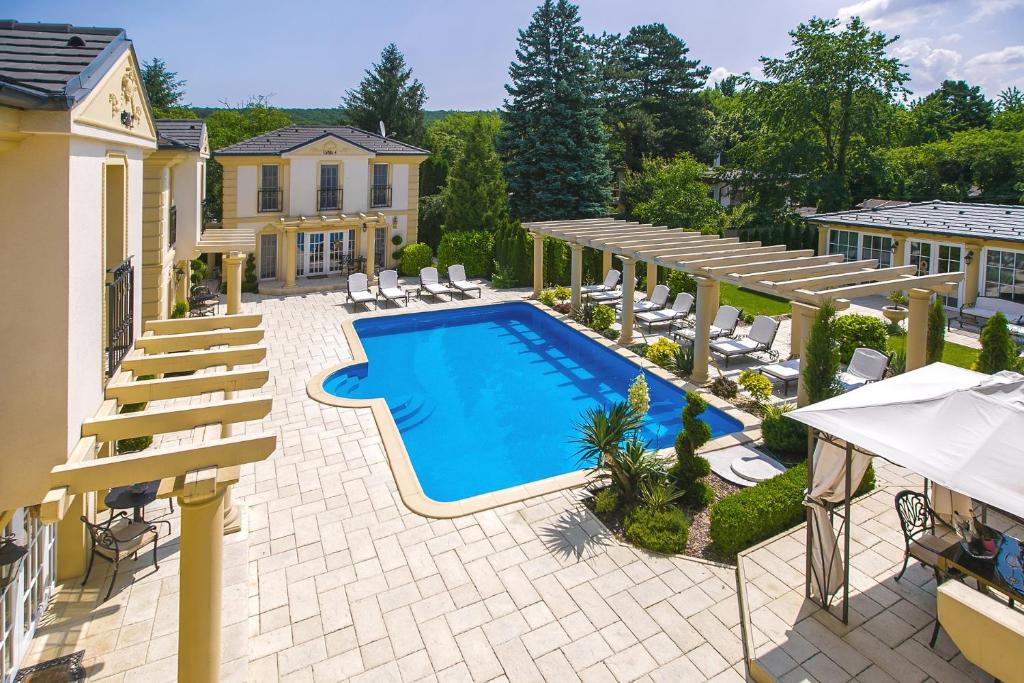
895,314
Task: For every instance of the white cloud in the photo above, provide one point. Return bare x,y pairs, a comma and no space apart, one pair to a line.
928,65
986,8
719,73
996,70
886,15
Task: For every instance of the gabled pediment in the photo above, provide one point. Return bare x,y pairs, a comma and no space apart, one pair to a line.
118,103
327,145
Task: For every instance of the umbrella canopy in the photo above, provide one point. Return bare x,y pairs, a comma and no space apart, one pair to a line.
959,428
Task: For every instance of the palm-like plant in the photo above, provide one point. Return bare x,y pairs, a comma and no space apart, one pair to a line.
602,434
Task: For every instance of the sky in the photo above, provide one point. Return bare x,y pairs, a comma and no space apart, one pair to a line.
307,53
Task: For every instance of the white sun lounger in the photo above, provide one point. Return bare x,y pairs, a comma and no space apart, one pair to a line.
786,372
724,325
681,308
609,296
866,365
610,281
388,287
430,282
760,338
457,276
657,301
358,291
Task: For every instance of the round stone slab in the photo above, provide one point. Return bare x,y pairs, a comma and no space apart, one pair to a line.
756,468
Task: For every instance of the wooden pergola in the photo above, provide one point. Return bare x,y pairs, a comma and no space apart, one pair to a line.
211,358
800,276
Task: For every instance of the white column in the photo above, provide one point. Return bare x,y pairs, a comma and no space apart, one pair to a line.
628,287
538,264
802,319
652,278
917,328
707,309
577,275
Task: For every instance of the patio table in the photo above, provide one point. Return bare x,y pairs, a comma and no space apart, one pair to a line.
995,574
134,497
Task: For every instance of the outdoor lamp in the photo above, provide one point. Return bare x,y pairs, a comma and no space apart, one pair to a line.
969,257
364,228
10,558
895,245
178,273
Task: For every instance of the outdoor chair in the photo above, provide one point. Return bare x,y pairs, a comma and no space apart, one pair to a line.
866,365
759,339
610,281
457,276
681,308
388,287
917,520
609,296
786,372
724,325
116,539
202,302
430,283
657,301
358,291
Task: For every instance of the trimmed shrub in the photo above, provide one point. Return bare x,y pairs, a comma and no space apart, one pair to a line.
250,284
547,297
198,268
513,247
473,249
784,436
662,352
414,258
757,385
396,240
563,293
606,501
936,331
723,387
820,363
678,281
998,352
662,531
602,318
682,362
690,468
180,310
856,330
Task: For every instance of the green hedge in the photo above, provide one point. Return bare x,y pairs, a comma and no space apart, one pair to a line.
663,530
784,436
415,257
765,510
856,330
473,249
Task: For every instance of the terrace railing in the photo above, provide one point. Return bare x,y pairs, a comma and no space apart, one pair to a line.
329,198
268,200
380,196
120,314
172,227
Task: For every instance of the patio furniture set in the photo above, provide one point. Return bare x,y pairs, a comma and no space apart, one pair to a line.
390,291
984,308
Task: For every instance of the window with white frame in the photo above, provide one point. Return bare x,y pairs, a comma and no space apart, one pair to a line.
877,247
1004,275
843,242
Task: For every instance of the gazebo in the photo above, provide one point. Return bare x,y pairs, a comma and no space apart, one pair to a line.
800,276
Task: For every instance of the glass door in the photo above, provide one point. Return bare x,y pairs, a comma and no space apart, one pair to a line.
932,258
877,247
949,261
268,257
23,600
920,256
300,253
316,253
338,251
380,248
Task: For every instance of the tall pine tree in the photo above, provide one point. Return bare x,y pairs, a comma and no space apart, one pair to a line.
388,93
476,196
554,147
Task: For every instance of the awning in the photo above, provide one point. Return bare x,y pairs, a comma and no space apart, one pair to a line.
227,240
961,429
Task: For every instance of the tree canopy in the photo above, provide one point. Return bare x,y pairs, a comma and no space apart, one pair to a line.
672,193
552,142
388,93
952,107
476,197
165,90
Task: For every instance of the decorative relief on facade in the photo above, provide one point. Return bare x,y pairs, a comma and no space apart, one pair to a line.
330,148
126,107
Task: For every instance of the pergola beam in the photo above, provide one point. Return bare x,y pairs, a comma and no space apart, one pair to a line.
744,255
167,420
193,341
682,251
190,361
851,278
207,324
772,262
105,473
180,387
771,276
937,282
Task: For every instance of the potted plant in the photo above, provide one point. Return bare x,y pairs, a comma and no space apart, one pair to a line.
897,310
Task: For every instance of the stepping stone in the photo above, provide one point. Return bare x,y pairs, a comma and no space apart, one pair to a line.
722,460
756,468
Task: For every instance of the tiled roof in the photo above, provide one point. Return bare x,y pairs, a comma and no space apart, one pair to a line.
44,64
286,139
179,133
992,221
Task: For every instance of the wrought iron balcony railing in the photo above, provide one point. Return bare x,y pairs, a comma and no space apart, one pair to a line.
268,200
380,196
329,198
120,314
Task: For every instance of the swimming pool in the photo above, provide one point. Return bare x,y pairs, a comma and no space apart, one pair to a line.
485,397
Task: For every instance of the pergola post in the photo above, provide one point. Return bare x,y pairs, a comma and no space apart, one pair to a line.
233,271
802,320
652,278
628,288
72,544
707,308
917,328
606,262
290,248
538,264
181,285
371,247
201,579
576,271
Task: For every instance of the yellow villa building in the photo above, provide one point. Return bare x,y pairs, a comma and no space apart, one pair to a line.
985,241
322,201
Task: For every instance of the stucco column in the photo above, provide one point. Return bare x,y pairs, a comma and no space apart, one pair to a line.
576,270
971,273
232,518
201,584
291,247
628,287
803,319
371,239
72,546
652,278
538,264
707,309
181,286
917,328
233,271
606,262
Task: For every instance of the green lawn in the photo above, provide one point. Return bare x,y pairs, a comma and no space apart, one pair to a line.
953,354
752,303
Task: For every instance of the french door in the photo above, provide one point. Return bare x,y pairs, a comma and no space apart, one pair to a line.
380,248
316,253
931,258
268,256
319,253
24,599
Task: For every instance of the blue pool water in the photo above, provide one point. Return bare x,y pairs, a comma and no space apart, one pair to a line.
486,397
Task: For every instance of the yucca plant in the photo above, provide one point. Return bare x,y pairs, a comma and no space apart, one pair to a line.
602,434
659,495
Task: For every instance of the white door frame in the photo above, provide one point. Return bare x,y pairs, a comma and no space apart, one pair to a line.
933,263
38,566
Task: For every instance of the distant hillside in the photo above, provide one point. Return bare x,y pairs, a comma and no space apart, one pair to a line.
327,116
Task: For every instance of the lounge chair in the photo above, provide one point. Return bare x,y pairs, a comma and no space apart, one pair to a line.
786,372
759,339
609,296
430,282
457,276
866,365
681,308
610,281
358,291
388,287
657,301
724,325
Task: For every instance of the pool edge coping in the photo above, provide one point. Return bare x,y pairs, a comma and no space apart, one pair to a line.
409,488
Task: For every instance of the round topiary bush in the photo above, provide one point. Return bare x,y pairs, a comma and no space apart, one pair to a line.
662,352
855,330
606,501
664,530
602,318
414,258
783,436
